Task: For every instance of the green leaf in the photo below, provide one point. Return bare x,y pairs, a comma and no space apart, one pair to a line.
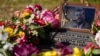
83,54
34,32
33,26
5,52
89,52
14,19
16,30
96,51
95,29
27,17
93,40
41,32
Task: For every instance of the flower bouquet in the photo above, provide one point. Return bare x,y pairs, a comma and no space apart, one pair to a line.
20,35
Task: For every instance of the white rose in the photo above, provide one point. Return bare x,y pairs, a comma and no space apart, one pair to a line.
97,38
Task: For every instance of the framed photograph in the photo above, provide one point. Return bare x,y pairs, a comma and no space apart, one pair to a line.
77,17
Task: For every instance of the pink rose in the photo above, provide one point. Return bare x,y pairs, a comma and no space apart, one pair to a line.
49,17
98,23
89,46
24,27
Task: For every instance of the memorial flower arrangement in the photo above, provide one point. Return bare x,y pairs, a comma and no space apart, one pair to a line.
20,35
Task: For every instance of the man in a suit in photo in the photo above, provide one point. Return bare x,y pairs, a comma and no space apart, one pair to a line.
80,19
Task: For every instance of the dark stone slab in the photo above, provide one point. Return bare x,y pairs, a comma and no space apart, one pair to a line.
71,38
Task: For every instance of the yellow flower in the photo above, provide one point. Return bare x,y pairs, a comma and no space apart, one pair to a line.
9,30
50,53
76,52
25,15
54,53
21,33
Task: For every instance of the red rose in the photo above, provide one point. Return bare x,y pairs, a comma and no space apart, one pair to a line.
1,23
37,6
40,22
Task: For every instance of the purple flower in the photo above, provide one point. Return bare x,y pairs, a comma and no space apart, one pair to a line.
38,7
64,50
24,49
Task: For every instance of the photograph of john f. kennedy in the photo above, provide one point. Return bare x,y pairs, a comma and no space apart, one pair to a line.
76,18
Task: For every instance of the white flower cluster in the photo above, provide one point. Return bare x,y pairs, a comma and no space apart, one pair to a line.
3,35
3,39
8,46
97,38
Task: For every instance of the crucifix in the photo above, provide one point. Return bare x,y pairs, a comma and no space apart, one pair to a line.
65,9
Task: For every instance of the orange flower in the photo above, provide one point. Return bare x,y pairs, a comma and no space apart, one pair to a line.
21,33
28,10
25,15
